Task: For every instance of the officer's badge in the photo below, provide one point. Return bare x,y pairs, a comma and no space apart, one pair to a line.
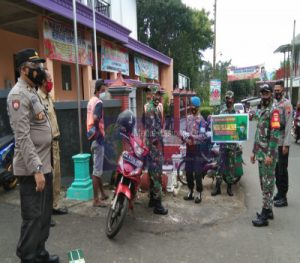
16,104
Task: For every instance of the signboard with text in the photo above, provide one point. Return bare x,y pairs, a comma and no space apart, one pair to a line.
59,43
229,128
215,92
253,72
114,58
145,68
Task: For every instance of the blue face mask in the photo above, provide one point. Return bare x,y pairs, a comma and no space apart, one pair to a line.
102,95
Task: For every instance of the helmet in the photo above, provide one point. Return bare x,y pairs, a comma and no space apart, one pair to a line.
127,120
195,101
266,87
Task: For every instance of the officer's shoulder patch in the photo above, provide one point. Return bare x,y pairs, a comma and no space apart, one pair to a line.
15,104
275,119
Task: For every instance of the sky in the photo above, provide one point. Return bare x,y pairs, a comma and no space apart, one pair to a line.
249,31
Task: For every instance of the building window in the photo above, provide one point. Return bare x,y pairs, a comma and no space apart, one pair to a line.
66,77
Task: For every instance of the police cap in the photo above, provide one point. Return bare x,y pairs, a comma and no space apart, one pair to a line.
266,87
28,55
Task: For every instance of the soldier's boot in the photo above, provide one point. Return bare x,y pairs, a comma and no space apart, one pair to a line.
217,190
159,209
269,213
151,200
261,219
198,197
229,190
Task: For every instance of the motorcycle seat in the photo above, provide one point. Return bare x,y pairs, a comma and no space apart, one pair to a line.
5,140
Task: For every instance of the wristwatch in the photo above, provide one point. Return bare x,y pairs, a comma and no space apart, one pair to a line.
39,168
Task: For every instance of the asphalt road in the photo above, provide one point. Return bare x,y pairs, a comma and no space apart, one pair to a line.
217,230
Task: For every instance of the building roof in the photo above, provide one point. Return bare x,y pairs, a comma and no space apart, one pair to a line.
283,48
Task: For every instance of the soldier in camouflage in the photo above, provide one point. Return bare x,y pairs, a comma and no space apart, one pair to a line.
154,141
286,122
227,158
265,151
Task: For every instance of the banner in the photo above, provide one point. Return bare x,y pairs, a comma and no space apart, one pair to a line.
145,68
114,58
253,72
215,92
59,43
230,128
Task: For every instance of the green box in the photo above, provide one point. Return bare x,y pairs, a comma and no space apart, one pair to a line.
76,256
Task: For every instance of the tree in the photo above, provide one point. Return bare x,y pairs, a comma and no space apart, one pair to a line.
177,31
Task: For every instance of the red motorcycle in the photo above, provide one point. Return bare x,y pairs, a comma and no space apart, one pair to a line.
128,174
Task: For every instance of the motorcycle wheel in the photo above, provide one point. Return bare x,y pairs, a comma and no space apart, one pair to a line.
181,174
115,217
10,184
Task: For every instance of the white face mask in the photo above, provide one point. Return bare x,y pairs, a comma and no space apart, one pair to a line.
102,95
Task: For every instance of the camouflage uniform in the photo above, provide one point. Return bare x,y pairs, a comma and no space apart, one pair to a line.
154,141
227,158
266,144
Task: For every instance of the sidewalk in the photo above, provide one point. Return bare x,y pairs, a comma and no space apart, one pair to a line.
210,211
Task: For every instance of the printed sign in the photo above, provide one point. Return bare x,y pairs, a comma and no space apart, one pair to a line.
215,92
114,58
145,68
230,128
253,72
59,43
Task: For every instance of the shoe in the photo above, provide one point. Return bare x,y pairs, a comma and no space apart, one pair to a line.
52,223
44,257
104,197
189,196
282,202
229,190
217,190
269,214
276,197
198,198
60,211
261,219
159,209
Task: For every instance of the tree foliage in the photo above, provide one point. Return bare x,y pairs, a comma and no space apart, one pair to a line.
177,31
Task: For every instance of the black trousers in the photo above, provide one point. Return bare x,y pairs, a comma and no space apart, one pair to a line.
281,173
36,209
193,168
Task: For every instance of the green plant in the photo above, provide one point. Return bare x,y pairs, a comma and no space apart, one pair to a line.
205,111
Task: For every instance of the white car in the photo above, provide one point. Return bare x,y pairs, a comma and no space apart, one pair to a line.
239,108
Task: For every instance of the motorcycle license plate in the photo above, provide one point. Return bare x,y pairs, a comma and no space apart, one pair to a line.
132,160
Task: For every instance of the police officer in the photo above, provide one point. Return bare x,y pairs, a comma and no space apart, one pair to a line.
265,151
286,122
44,90
32,164
228,151
195,128
154,141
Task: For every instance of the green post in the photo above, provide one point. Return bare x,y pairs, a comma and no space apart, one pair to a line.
82,187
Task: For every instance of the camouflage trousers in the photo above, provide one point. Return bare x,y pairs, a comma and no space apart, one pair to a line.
155,162
267,182
226,168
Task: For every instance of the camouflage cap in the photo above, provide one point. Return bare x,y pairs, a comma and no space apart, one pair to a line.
266,87
229,94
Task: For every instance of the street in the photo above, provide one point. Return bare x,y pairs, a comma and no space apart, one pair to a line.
217,230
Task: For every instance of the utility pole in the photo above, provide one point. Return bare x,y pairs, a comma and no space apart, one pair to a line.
215,37
292,64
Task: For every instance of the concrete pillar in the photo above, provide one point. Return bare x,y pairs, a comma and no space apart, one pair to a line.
86,77
82,187
121,93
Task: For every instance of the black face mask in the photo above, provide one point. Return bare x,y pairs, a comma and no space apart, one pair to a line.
278,96
265,102
229,104
156,102
35,80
